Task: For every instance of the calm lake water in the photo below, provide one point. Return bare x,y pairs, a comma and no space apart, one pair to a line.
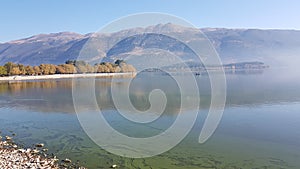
260,127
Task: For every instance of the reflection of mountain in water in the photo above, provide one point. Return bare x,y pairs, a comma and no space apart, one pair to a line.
56,96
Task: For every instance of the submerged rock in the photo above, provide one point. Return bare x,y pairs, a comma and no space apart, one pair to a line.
114,166
67,160
40,145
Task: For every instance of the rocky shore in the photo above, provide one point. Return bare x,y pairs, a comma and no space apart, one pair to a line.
14,157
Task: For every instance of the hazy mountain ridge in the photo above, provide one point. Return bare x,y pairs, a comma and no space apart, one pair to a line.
233,45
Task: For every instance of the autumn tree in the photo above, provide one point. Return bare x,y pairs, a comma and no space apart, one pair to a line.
9,66
90,69
37,70
52,69
47,69
81,68
22,69
70,67
60,69
127,68
29,70
66,69
102,68
15,71
3,71
117,69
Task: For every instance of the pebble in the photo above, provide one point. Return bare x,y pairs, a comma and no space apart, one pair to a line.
8,138
13,158
35,151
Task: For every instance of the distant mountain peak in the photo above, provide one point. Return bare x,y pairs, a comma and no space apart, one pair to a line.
169,27
233,45
65,36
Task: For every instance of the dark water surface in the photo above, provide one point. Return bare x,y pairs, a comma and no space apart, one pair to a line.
260,127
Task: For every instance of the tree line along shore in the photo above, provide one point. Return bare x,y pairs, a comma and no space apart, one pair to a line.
69,67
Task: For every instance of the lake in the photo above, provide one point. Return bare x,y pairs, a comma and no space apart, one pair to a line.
260,127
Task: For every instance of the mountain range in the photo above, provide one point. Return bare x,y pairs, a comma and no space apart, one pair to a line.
273,47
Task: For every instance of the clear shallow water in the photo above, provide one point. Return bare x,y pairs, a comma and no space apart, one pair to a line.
259,128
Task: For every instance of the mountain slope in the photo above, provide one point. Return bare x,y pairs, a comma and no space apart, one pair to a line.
274,47
44,48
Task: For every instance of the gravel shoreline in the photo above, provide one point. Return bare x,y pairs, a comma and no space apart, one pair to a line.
66,76
14,157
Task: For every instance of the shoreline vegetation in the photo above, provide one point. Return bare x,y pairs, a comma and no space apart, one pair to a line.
71,69
80,69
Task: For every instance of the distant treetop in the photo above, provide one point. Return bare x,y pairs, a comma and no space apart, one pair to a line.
70,67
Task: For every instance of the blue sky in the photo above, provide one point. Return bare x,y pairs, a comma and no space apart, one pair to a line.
20,19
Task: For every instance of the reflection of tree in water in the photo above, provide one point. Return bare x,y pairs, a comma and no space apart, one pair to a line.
56,95
16,87
52,95
42,96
